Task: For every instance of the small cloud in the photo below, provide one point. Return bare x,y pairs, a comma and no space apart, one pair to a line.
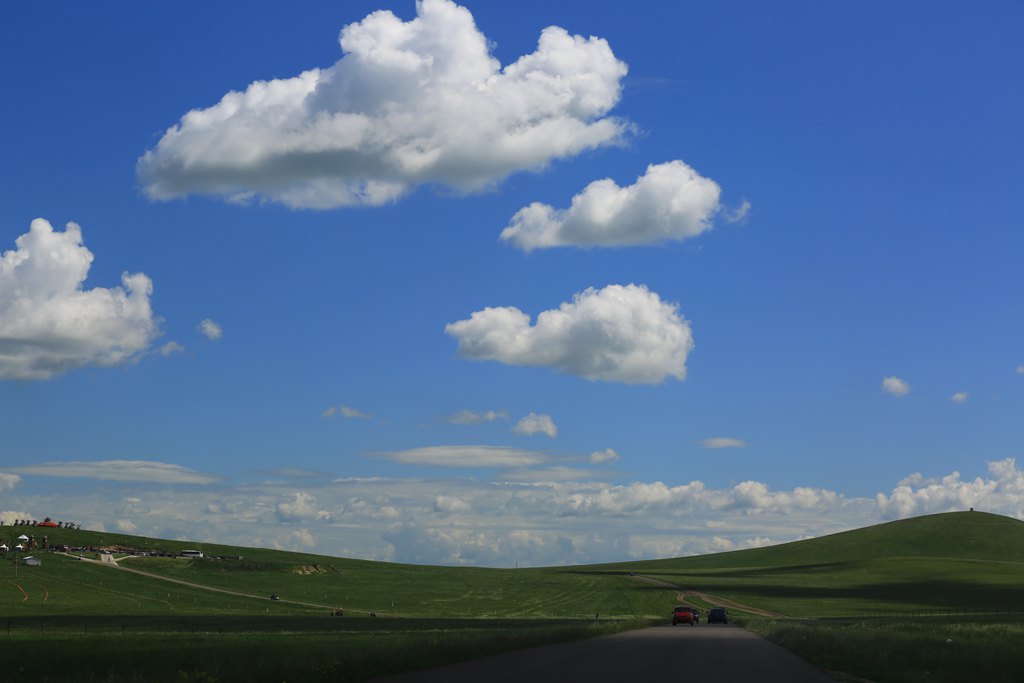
347,412
8,481
210,329
739,214
1020,369
959,397
536,424
171,348
464,456
353,414
119,470
607,455
296,473
470,417
723,442
895,386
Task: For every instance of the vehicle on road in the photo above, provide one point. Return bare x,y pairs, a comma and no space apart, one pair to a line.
684,615
718,615
274,596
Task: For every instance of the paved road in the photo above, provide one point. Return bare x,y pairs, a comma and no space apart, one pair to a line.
662,653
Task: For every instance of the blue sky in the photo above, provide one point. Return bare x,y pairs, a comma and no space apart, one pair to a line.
801,202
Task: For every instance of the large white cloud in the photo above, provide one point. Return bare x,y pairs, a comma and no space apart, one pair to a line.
671,201
622,333
413,102
50,324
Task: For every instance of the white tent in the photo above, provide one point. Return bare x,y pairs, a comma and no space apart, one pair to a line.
19,547
23,537
3,548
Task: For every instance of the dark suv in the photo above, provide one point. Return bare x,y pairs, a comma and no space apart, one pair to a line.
718,614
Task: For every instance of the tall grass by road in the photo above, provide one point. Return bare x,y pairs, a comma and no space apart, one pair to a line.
303,649
928,650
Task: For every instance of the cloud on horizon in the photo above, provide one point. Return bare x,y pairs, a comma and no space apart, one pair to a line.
617,334
542,515
408,103
49,324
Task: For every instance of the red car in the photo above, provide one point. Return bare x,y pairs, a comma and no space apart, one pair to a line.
684,615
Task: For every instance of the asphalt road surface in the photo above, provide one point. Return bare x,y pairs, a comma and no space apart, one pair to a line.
663,653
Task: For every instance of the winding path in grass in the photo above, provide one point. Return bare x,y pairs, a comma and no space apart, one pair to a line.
114,564
683,593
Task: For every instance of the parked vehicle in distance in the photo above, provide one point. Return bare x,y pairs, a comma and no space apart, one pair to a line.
683,615
718,615
274,596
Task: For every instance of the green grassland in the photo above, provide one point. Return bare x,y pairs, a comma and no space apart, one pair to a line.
121,625
966,561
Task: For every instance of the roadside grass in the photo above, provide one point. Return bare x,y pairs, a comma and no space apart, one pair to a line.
905,650
298,649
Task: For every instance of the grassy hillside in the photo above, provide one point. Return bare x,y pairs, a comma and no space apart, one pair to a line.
66,586
955,561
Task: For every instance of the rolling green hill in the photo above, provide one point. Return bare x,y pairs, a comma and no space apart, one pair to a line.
963,560
954,561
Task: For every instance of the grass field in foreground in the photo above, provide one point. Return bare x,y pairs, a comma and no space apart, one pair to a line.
957,561
906,651
294,650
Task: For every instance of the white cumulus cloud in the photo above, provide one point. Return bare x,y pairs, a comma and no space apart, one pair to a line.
671,201
622,333
8,481
895,386
536,424
409,102
960,397
49,324
1003,492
